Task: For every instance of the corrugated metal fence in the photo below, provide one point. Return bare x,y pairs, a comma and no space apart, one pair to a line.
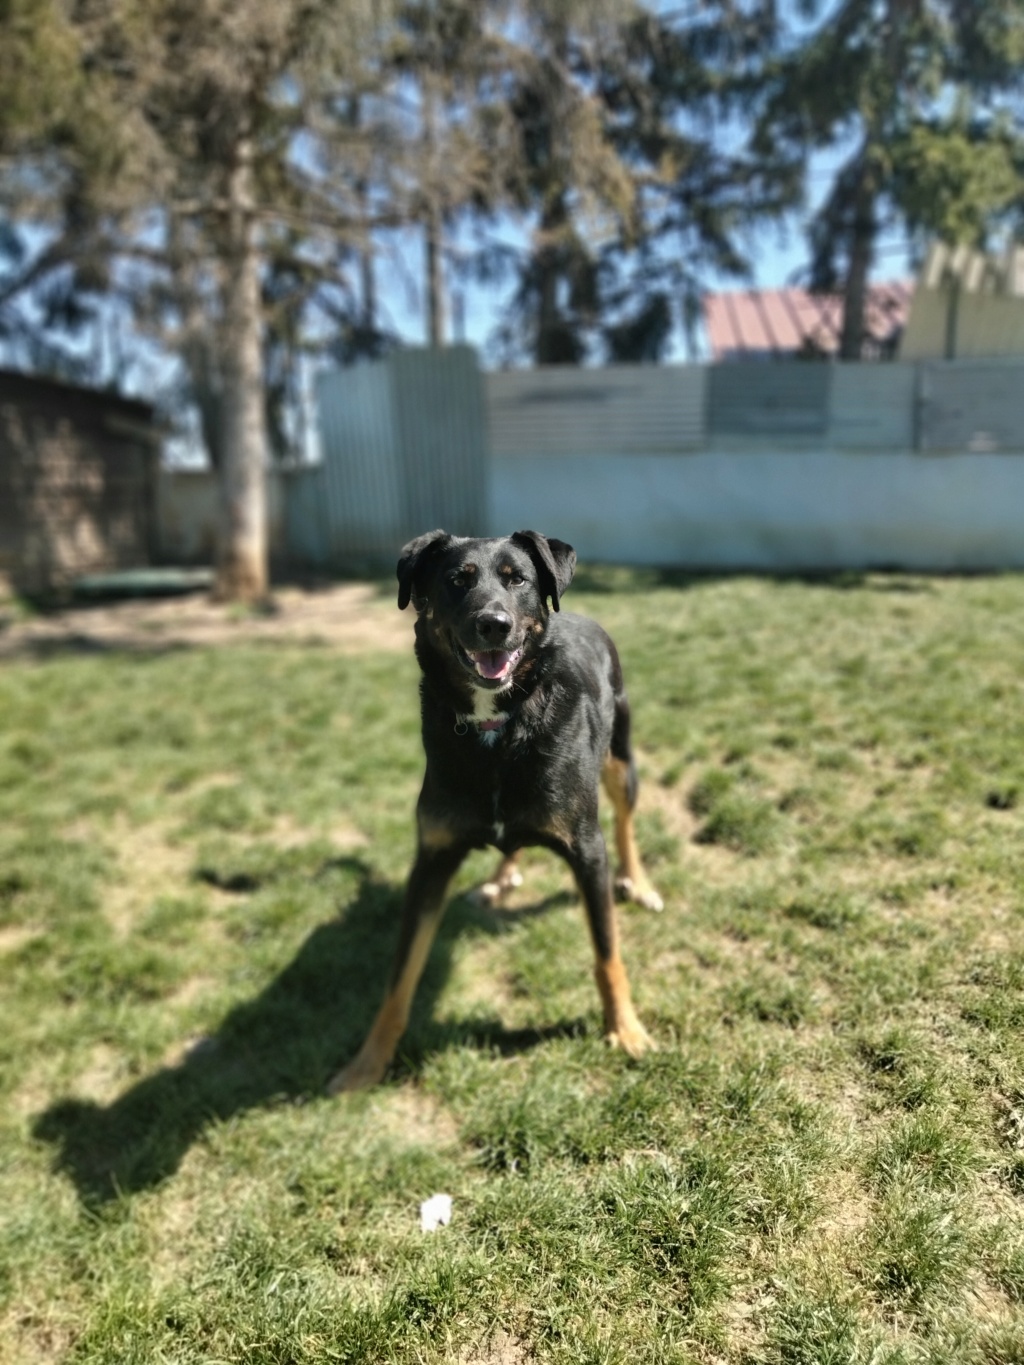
561,411
404,449
928,406
654,464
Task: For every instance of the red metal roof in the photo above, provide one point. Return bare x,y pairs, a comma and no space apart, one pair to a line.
745,323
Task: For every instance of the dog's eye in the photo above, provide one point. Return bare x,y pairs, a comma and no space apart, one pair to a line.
516,580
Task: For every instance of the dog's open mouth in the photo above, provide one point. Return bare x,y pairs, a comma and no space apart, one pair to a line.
494,664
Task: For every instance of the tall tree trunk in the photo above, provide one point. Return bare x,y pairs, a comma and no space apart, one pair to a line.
367,277
862,251
556,342
546,349
865,223
197,347
368,290
242,569
435,280
209,401
434,225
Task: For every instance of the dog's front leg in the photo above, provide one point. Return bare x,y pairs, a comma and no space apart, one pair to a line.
421,915
588,858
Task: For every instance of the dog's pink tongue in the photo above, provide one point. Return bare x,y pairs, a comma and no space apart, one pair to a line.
491,663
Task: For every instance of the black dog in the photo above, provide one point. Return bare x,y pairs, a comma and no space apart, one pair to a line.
523,715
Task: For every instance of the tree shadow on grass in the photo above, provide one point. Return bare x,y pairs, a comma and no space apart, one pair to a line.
280,1047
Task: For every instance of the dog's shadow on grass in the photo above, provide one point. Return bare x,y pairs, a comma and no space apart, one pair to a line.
281,1047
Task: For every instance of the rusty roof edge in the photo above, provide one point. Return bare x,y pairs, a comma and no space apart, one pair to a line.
727,311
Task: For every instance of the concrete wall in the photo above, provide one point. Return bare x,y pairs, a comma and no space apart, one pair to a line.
187,512
773,509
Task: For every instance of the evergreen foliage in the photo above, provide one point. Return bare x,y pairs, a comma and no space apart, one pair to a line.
918,98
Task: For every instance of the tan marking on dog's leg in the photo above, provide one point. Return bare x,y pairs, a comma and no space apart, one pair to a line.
373,1058
559,829
506,878
631,880
622,1028
434,836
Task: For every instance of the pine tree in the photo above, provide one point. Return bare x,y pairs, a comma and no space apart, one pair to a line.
675,90
617,158
912,90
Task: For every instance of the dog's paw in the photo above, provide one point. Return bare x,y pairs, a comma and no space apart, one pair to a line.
632,1037
362,1073
492,894
488,895
640,893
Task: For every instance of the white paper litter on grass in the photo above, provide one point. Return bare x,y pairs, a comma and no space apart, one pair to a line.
435,1212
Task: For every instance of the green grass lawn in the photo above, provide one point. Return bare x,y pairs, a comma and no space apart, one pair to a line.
201,860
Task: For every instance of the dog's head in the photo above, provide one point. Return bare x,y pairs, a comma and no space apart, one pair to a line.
484,602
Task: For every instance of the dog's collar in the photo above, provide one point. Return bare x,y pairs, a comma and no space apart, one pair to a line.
462,723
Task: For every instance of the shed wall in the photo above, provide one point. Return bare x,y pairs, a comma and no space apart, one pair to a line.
77,483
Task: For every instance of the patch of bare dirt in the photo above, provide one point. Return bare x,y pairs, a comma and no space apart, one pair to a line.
172,1222
500,1349
415,1117
184,1049
15,936
150,865
716,865
34,1338
352,617
103,1076
287,833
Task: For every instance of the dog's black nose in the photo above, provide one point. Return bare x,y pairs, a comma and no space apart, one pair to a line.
493,627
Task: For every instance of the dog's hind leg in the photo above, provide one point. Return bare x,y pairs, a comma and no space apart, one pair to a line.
421,915
506,878
588,859
619,778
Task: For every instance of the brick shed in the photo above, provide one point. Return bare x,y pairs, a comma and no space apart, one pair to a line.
78,472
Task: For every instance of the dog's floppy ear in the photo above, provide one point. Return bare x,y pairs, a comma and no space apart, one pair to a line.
555,561
414,558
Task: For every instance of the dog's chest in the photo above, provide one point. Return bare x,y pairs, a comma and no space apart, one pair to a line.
487,720
485,779
487,724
